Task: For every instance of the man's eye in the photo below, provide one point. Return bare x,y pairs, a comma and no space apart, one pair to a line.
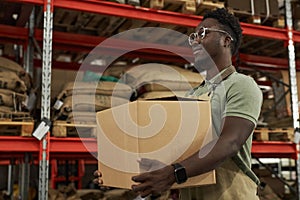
201,32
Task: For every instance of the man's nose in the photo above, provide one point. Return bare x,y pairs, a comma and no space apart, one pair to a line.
195,44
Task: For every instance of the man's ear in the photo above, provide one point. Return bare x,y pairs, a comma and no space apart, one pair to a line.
227,41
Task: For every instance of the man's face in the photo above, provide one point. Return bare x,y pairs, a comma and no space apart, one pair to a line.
207,48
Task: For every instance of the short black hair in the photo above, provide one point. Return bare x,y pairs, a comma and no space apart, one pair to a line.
230,24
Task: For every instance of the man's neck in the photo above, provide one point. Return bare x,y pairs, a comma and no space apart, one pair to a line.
211,73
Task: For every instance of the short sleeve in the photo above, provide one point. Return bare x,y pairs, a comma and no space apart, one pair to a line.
244,99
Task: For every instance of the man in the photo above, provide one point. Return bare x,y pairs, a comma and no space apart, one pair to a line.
236,101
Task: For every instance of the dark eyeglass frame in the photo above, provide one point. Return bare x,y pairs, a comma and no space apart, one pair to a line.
202,33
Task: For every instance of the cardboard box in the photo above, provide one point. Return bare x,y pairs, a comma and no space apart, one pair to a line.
238,5
260,8
163,131
296,10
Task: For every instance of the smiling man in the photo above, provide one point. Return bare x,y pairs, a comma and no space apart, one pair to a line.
235,102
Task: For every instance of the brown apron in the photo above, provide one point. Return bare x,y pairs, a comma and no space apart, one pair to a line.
232,183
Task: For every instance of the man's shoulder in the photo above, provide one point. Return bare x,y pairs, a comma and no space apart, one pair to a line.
240,76
241,80
238,82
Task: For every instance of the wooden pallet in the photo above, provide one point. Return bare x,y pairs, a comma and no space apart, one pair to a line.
14,116
187,6
204,6
65,129
16,128
276,134
280,22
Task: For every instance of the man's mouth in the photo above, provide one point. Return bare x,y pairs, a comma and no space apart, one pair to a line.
195,52
197,49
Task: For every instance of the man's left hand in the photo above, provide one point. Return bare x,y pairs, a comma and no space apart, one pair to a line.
154,182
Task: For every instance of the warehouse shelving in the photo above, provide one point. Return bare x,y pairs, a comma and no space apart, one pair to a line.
59,148
161,16
73,41
65,40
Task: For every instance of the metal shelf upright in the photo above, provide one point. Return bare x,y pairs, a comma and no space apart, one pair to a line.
46,97
293,79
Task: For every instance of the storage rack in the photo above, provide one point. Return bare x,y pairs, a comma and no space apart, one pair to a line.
71,147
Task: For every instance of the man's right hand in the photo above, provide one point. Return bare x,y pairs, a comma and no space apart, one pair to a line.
98,179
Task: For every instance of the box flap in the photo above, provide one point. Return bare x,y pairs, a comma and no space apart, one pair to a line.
162,95
172,95
117,135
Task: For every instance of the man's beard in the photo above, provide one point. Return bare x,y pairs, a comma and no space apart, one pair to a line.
203,63
202,59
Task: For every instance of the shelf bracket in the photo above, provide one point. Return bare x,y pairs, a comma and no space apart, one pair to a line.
46,85
293,78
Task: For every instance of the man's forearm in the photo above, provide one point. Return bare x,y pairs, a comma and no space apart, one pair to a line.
198,164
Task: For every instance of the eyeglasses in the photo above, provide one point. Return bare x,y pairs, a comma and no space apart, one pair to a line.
202,32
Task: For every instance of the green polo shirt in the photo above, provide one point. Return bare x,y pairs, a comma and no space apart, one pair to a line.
238,95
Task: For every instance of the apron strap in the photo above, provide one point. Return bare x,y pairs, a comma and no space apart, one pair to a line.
227,72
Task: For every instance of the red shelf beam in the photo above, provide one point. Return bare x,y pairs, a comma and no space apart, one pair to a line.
77,148
74,42
68,148
160,16
67,41
123,10
274,149
16,147
264,62
12,144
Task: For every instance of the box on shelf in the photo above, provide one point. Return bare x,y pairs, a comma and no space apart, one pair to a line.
296,10
262,8
162,131
236,5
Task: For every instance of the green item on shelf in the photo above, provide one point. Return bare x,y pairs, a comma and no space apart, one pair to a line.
92,76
